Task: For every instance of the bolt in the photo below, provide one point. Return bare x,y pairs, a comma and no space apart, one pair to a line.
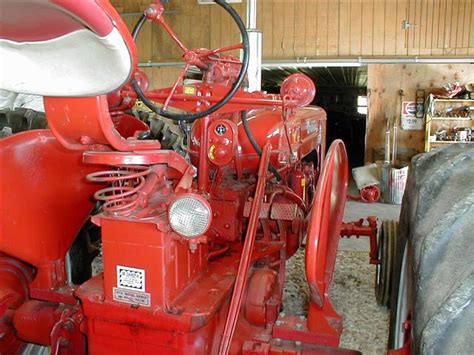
68,325
298,344
85,140
213,291
299,326
282,314
302,317
278,322
174,310
192,247
277,341
63,342
150,11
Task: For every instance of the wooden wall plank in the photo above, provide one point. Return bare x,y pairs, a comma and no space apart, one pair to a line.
426,26
471,31
447,26
215,28
454,23
267,28
300,28
278,29
235,36
467,20
317,28
289,34
344,33
310,28
401,42
390,27
225,28
443,5
356,28
333,28
410,32
418,28
378,27
460,49
367,44
322,28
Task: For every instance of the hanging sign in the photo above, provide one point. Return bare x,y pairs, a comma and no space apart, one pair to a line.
409,120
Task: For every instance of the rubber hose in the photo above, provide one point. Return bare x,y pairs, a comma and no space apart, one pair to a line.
255,145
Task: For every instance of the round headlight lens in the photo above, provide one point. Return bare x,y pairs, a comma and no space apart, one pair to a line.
190,216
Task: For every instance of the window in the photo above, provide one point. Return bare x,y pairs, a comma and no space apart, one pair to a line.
362,105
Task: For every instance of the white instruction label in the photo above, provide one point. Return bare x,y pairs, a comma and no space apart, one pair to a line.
130,278
132,297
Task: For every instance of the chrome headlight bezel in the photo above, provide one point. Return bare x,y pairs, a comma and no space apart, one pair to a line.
193,207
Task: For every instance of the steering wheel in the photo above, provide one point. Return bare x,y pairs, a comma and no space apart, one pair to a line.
197,57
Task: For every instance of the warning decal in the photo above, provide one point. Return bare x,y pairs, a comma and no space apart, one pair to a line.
131,297
130,278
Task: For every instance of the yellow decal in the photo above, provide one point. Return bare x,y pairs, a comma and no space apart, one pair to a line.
189,90
211,152
303,182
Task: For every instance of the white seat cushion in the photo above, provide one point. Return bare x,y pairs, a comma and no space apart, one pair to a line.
80,63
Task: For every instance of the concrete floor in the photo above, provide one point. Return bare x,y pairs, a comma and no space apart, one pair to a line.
355,210
365,322
352,289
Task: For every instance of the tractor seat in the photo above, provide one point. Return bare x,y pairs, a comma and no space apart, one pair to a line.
64,48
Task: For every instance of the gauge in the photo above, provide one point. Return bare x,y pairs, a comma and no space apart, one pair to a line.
221,129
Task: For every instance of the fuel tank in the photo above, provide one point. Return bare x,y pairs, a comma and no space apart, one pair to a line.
229,146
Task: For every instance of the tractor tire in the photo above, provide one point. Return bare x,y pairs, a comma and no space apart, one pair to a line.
19,120
386,247
433,280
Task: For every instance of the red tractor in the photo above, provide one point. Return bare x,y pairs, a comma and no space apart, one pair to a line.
193,247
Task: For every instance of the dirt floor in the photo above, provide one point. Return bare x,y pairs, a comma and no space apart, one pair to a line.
352,289
352,294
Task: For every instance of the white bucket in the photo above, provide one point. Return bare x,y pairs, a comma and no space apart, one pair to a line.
393,184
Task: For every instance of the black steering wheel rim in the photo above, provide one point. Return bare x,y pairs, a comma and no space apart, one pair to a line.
190,117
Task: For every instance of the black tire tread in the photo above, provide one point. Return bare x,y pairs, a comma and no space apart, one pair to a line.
436,218
386,252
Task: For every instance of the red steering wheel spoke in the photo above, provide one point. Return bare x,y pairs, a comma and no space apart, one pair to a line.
175,85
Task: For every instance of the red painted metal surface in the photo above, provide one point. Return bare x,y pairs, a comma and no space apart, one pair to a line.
34,321
370,194
45,20
358,229
241,278
305,128
41,232
219,292
15,277
71,121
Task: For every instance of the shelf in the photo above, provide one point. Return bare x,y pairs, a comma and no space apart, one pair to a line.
453,100
450,142
451,118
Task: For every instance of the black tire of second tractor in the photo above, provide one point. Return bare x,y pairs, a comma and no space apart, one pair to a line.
386,245
436,227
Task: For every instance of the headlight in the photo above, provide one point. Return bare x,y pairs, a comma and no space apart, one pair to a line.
190,215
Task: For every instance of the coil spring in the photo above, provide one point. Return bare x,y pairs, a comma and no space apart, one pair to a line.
121,197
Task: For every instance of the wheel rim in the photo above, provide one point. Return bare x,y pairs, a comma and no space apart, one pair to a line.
324,222
401,311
